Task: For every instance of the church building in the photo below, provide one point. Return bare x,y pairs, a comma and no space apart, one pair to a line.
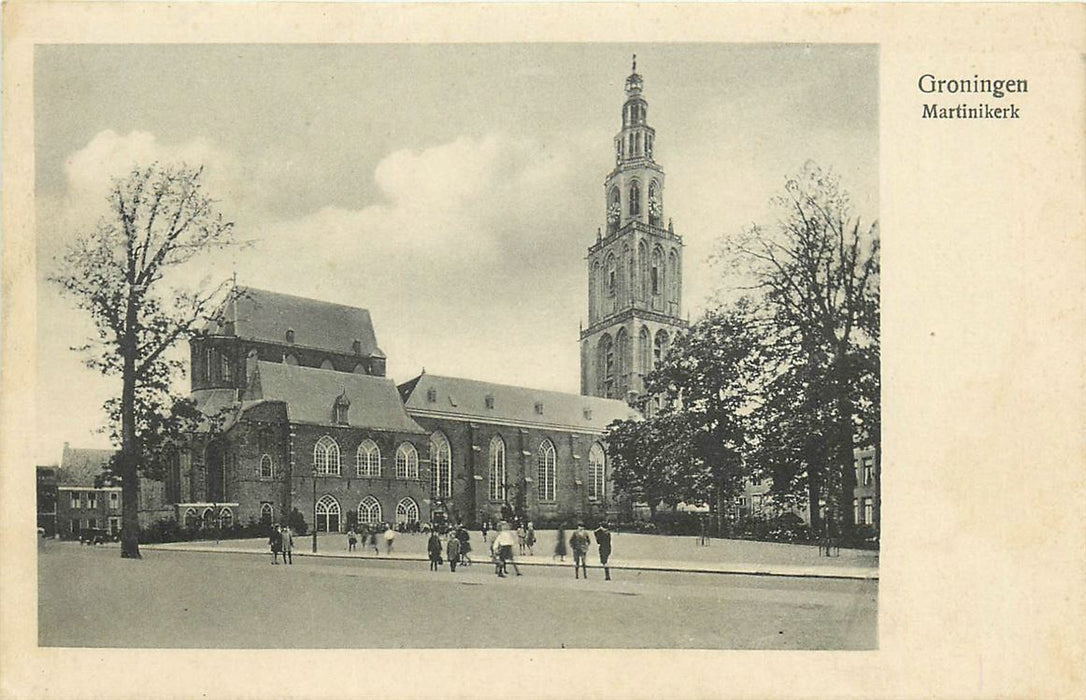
634,269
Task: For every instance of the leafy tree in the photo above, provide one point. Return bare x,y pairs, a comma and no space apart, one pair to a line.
651,459
706,381
815,274
159,219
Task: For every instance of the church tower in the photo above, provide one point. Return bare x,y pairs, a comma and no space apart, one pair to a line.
634,267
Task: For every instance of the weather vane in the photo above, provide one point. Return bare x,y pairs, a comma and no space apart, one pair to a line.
634,69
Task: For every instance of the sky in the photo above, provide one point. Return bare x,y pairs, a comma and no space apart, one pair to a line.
452,190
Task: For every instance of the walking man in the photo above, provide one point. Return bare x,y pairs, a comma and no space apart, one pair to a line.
603,539
288,545
505,540
579,543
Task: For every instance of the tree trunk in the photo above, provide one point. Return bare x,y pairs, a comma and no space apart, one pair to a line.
844,454
129,461
814,493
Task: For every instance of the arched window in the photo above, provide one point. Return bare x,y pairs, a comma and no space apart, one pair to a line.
191,521
635,199
290,359
440,466
327,364
265,467
290,335
594,283
267,515
605,365
226,518
359,368
614,210
327,514
656,208
656,272
622,364
407,461
545,473
659,349
207,518
407,511
623,279
643,270
497,469
644,351
326,456
596,490
369,511
226,368
673,277
612,276
368,459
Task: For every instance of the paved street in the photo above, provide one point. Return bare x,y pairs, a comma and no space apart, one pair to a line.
91,597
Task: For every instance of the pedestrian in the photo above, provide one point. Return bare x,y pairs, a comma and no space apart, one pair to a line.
275,542
373,541
530,539
504,541
485,527
288,545
453,552
579,543
603,539
433,548
560,544
522,539
352,540
390,537
464,536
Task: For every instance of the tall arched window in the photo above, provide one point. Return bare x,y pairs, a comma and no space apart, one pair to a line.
326,456
369,511
656,208
612,276
496,479
327,514
622,364
545,473
265,467
595,286
659,350
644,351
407,461
643,270
635,199
656,273
614,210
673,277
368,459
226,518
191,521
407,511
267,515
440,466
596,490
605,365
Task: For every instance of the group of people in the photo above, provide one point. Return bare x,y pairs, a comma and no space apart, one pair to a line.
455,547
580,542
281,542
369,538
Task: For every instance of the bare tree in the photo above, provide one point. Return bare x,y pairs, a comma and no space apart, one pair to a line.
159,219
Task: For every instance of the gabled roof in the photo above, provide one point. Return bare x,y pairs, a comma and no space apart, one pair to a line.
260,315
310,395
79,466
468,399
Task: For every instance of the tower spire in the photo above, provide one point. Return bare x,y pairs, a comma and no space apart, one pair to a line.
633,69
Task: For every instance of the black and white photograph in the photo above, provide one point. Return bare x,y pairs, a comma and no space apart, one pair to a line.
592,328
554,350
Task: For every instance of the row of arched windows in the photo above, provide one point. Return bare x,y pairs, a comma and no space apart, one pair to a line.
653,277
207,518
326,459
369,512
546,471
634,204
614,363
291,359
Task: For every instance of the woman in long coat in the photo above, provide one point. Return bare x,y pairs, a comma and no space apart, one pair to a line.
560,545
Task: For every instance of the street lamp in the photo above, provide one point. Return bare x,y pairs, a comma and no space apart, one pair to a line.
314,510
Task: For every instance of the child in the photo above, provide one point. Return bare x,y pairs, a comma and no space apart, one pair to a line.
352,540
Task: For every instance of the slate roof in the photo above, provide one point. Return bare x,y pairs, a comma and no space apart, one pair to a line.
79,466
310,393
266,316
467,399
